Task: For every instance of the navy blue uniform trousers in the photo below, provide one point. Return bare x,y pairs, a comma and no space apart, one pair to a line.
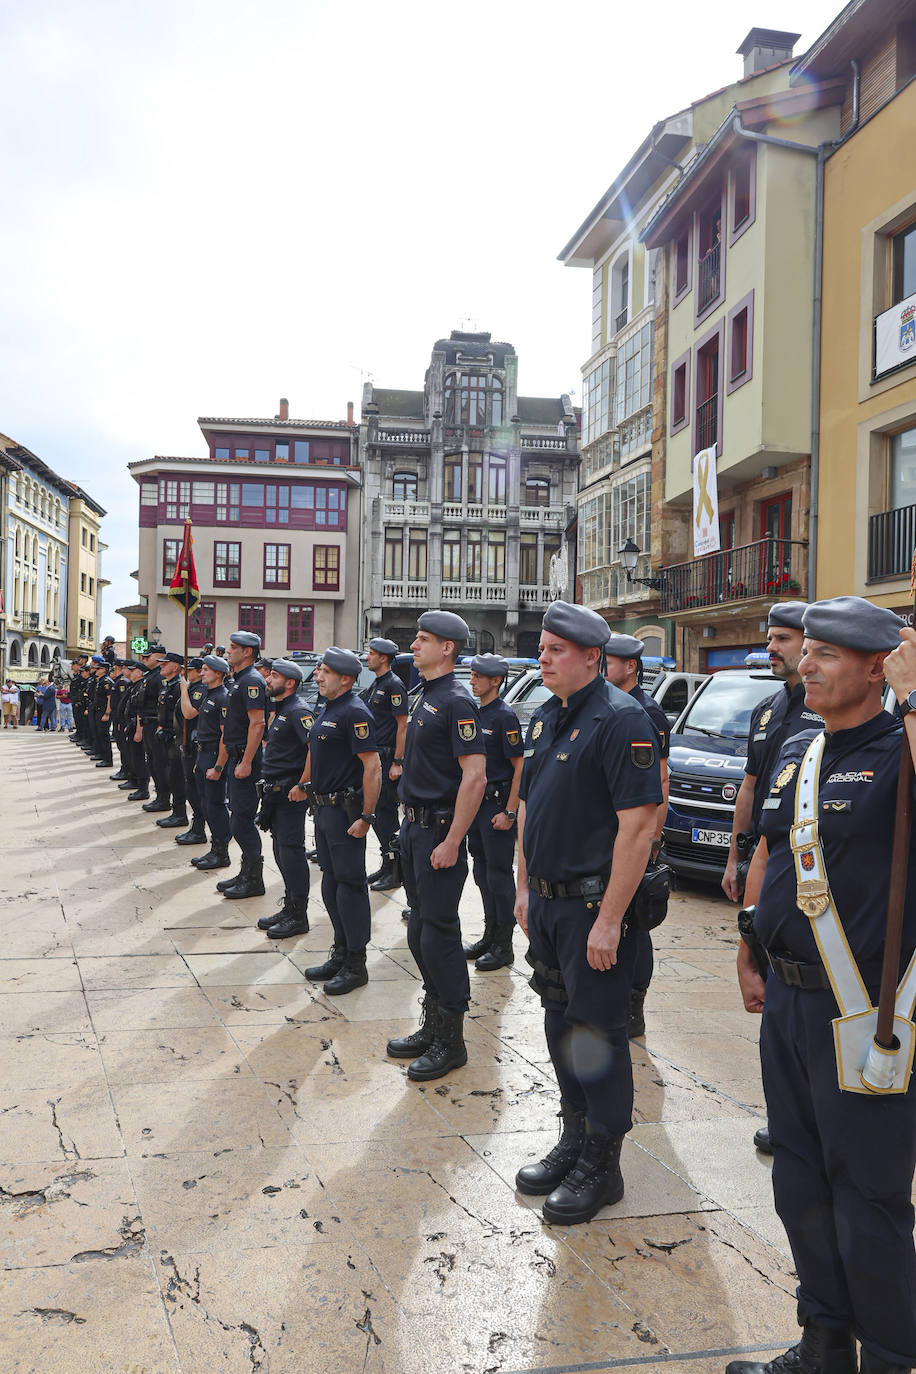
842,1172
213,797
492,852
434,931
243,804
343,877
287,829
587,1036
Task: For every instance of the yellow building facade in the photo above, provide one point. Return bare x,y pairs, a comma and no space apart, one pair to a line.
85,583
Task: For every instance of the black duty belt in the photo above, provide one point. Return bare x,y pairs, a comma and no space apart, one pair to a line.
592,886
497,791
796,974
427,815
277,784
329,798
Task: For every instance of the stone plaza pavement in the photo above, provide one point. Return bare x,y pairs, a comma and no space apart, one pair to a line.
206,1166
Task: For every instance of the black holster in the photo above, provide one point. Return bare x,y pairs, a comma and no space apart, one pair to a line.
649,906
353,804
752,940
745,843
394,848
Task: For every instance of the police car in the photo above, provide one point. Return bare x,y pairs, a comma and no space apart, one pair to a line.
706,767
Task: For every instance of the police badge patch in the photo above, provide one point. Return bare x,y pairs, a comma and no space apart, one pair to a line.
467,729
765,718
396,698
254,692
536,729
361,729
787,774
307,721
512,736
642,753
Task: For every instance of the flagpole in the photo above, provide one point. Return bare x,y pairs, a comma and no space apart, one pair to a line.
187,617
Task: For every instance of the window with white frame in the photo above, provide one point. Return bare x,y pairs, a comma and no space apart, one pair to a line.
597,408
631,512
634,374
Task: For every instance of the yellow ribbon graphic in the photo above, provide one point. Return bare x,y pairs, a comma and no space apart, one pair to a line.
703,502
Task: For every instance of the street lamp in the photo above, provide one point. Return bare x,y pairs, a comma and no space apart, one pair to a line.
628,553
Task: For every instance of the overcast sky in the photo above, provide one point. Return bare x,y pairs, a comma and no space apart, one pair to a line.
209,205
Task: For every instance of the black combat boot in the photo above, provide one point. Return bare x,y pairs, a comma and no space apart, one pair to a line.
128,785
371,877
544,1176
217,856
762,1140
117,777
139,794
447,1050
386,879
500,954
320,973
173,822
821,1350
225,883
158,804
872,1364
251,879
480,946
265,922
637,1027
197,833
351,975
293,921
410,1046
595,1181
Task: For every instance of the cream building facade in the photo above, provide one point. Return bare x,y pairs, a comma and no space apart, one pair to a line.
84,593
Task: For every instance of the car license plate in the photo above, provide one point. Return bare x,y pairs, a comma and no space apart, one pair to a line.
721,838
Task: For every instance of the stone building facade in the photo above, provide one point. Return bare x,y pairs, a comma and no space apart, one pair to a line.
469,498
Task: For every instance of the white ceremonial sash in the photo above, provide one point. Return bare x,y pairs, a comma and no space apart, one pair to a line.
885,1070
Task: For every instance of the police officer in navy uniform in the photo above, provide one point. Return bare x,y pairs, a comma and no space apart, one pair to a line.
773,721
192,692
240,756
843,1161
212,789
442,786
491,838
149,720
133,723
387,700
344,773
167,739
285,753
120,689
101,712
623,655
590,796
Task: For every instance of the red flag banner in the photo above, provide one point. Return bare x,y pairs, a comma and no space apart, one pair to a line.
183,588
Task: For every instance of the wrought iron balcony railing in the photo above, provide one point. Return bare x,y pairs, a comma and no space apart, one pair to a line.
773,568
891,541
708,422
708,284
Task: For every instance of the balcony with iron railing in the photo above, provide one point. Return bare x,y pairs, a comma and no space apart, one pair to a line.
708,277
773,569
891,542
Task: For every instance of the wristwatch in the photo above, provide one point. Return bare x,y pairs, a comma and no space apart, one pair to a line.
511,814
907,704
397,761
368,818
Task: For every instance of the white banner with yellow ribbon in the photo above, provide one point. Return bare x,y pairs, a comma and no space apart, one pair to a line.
705,503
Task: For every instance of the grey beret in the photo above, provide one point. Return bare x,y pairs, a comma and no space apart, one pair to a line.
217,664
577,624
853,623
384,646
287,668
624,646
246,638
341,661
490,665
172,657
788,614
445,625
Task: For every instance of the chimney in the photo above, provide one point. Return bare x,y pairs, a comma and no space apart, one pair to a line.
764,48
284,409
349,412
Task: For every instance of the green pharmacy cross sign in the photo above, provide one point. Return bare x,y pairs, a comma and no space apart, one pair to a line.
139,645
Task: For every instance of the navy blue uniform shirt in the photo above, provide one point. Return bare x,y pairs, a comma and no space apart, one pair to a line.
444,727
286,743
342,729
583,763
856,807
169,699
210,717
502,734
773,721
149,701
250,694
387,700
658,718
196,693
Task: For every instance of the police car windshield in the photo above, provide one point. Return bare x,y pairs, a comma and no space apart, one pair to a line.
724,705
